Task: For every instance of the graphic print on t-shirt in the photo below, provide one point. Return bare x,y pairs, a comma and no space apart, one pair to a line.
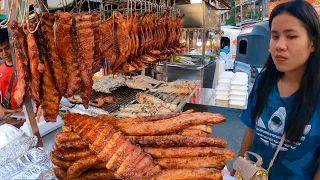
270,133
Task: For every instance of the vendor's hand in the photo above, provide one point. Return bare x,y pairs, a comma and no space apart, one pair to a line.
39,114
2,113
12,111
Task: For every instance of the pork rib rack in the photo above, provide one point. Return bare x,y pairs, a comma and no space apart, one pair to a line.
85,41
47,22
66,51
22,61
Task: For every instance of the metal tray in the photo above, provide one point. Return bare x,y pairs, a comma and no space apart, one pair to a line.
178,99
127,96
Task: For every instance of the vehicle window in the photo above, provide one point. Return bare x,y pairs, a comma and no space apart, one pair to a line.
243,46
225,41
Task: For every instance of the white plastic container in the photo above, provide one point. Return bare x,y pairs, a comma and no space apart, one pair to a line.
239,87
238,93
226,75
8,134
238,97
222,97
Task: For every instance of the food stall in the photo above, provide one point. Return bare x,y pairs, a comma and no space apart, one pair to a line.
125,114
201,36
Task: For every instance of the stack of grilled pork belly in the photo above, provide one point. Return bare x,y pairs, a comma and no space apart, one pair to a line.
158,147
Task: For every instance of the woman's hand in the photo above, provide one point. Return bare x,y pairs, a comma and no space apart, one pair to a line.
233,172
317,176
246,144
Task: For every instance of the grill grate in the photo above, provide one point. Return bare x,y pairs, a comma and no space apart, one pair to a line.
125,95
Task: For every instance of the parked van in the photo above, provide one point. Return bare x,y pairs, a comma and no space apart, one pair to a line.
228,45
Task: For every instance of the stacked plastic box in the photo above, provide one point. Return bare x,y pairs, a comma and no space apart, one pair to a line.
239,91
223,89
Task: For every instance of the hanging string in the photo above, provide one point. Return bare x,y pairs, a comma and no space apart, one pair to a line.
80,6
9,16
89,6
38,23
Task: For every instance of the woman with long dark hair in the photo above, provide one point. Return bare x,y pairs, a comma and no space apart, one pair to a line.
285,97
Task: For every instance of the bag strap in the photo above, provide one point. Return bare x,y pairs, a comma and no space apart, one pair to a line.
8,95
277,151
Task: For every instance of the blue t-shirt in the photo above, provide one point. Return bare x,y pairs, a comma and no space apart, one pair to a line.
295,161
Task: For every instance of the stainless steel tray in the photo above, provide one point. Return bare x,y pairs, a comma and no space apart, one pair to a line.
178,99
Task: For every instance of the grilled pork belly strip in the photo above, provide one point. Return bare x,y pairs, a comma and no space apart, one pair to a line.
171,125
176,141
175,152
194,162
188,174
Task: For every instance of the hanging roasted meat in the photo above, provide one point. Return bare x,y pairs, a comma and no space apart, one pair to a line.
22,61
36,66
49,94
98,61
108,49
127,66
122,40
85,42
66,51
59,75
